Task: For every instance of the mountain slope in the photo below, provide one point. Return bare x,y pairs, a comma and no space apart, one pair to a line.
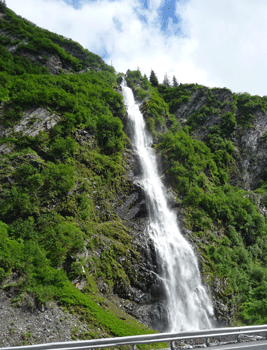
72,215
213,151
62,170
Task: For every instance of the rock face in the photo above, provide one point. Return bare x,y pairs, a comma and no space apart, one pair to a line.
250,142
253,151
51,61
143,296
146,291
223,315
33,121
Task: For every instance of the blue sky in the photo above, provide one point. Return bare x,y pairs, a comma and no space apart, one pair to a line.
214,43
168,13
74,3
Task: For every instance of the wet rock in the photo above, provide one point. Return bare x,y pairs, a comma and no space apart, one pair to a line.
134,206
143,298
223,313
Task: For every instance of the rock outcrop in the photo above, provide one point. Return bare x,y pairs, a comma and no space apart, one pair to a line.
250,142
146,292
33,121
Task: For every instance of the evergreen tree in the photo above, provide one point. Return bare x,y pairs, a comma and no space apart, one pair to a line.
174,81
166,80
153,79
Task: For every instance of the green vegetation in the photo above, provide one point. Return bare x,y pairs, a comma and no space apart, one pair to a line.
28,40
154,108
248,106
153,79
81,99
155,112
58,188
140,85
174,96
27,257
224,219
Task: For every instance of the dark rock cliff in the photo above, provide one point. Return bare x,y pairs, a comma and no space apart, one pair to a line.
146,294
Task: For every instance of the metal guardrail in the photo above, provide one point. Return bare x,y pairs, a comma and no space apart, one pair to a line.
144,339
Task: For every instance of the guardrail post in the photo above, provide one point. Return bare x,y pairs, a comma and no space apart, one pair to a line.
134,346
238,338
172,345
208,342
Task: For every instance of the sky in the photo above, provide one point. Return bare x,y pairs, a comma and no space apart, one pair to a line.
217,43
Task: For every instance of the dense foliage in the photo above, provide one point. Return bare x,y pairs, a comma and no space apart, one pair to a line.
224,219
57,188
139,84
153,107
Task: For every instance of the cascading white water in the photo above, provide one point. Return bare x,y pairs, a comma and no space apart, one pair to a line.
188,304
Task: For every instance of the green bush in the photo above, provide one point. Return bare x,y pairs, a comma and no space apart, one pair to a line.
58,179
110,134
62,240
63,148
248,105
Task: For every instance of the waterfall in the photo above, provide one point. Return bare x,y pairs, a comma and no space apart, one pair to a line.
188,304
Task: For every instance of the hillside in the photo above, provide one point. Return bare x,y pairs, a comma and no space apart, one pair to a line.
212,144
74,257
63,171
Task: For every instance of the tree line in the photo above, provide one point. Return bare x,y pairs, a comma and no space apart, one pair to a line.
166,81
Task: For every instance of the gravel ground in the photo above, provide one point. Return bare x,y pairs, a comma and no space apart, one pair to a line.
22,322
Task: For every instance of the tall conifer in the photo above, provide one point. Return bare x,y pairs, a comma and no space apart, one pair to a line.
153,79
174,81
166,80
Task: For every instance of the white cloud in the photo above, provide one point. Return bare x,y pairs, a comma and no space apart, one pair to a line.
223,42
231,37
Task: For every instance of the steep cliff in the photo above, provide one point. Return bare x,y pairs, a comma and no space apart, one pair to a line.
63,176
73,215
212,146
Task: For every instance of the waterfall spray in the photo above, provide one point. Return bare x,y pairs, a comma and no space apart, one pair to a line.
188,305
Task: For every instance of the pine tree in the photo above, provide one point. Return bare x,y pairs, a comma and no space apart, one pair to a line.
174,81
166,80
153,79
